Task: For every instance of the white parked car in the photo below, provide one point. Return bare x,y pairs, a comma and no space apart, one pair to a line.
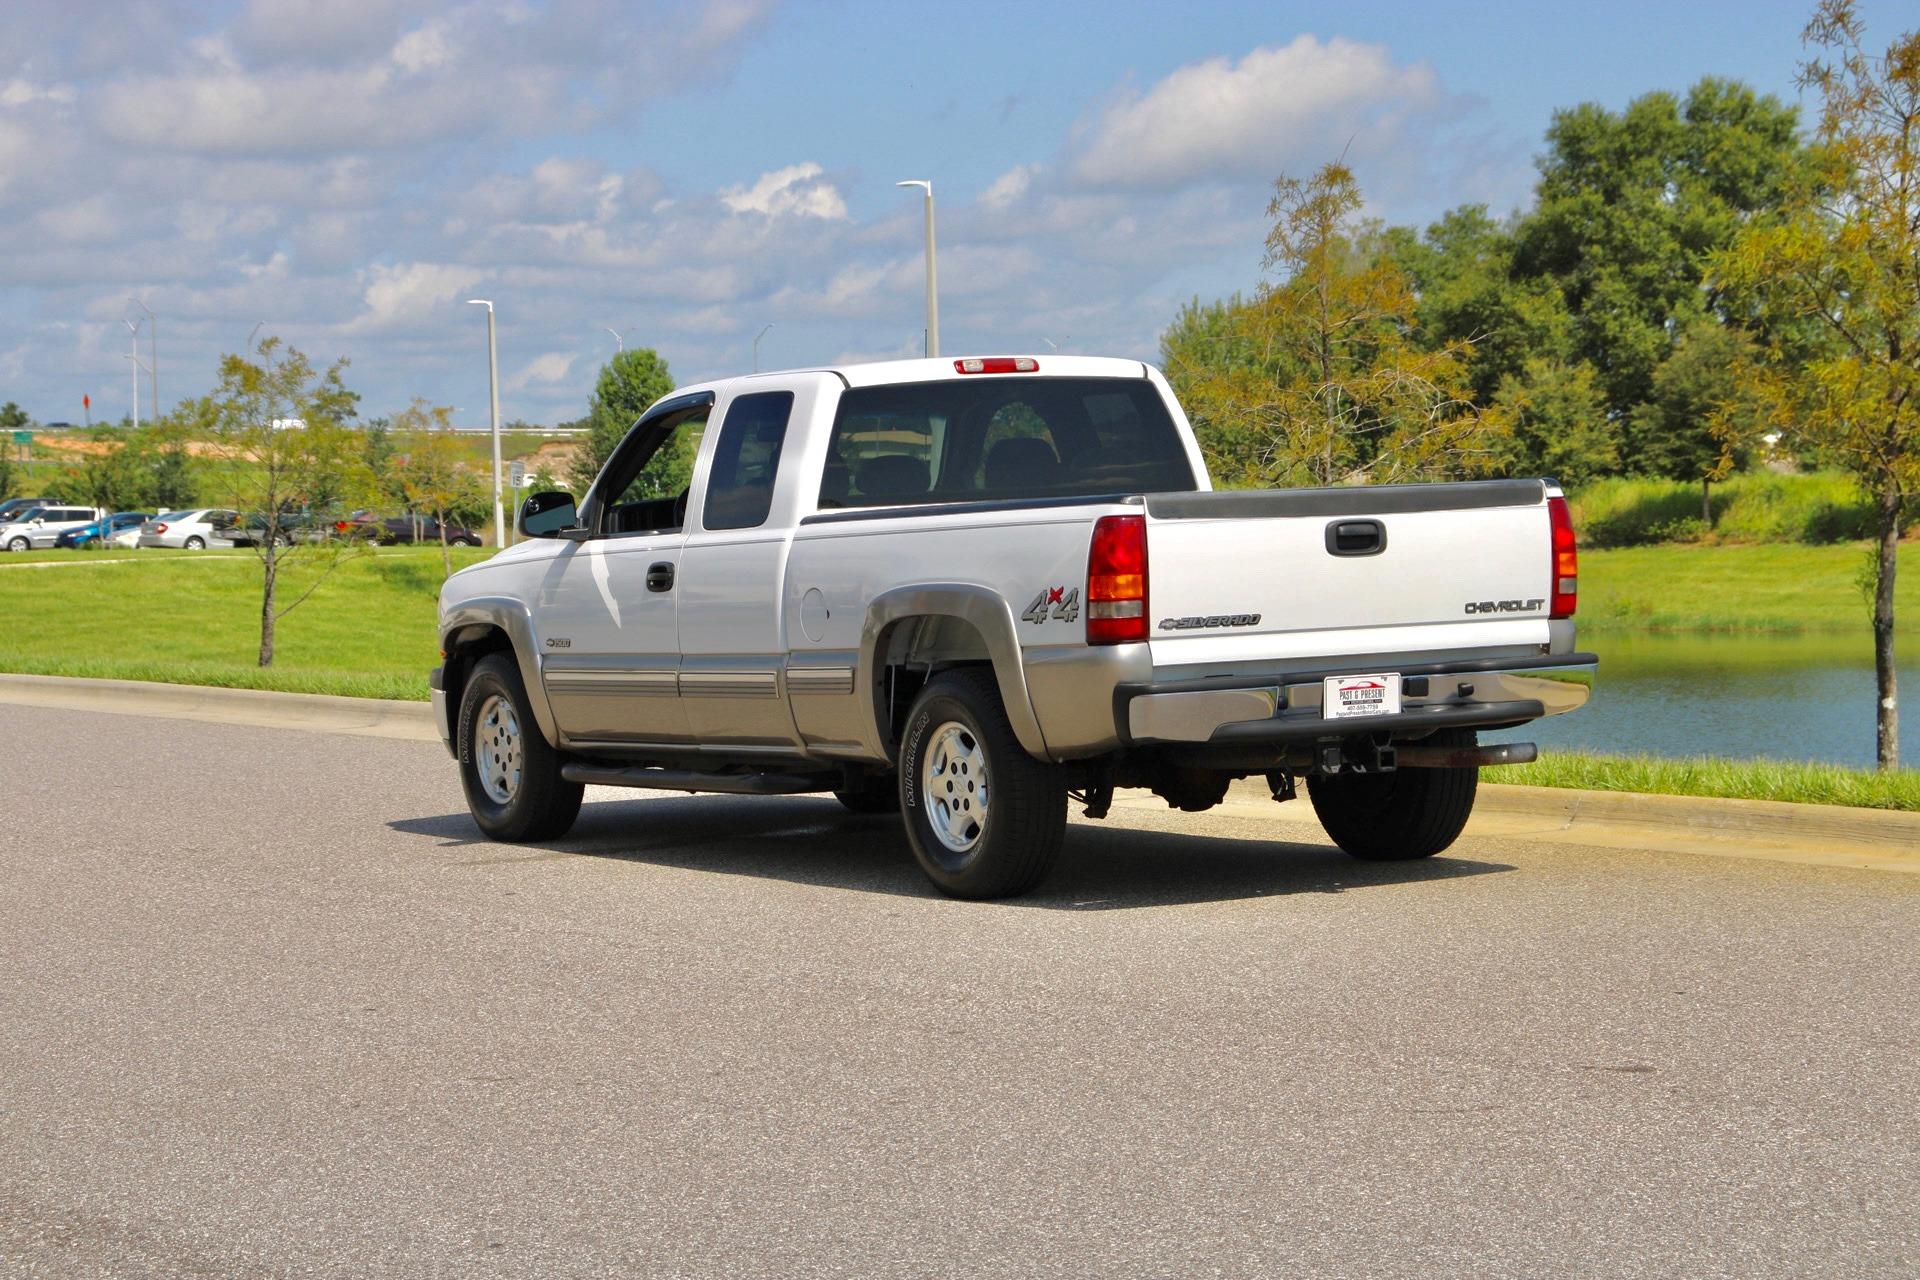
39,526
195,529
959,590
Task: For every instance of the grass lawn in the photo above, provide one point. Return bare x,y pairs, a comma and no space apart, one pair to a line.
190,618
1727,779
1736,588
195,619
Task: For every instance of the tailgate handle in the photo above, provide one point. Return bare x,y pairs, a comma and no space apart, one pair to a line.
1356,538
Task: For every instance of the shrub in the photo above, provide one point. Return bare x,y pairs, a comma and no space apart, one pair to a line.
1759,506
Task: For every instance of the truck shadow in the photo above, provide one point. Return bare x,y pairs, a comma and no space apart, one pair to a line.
813,841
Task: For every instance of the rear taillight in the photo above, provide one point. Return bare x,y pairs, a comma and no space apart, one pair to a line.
997,364
341,526
1117,581
160,528
1566,560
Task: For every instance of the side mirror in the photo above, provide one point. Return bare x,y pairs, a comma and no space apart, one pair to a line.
546,515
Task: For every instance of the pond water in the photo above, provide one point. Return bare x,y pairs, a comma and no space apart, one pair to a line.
1742,696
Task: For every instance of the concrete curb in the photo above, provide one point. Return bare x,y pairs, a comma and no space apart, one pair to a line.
320,713
1826,835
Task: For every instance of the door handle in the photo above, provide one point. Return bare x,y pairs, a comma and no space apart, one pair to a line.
660,576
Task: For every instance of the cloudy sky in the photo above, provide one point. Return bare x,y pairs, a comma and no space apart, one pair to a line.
346,172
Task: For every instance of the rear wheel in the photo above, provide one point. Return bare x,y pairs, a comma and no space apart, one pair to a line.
985,819
195,543
1406,814
511,774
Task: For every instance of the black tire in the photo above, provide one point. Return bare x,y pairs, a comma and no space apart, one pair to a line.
543,805
1016,846
871,793
19,544
1398,816
194,544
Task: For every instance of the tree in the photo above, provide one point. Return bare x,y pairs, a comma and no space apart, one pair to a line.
1559,422
430,473
1846,258
1462,269
13,418
1631,206
628,383
281,424
1681,430
1319,379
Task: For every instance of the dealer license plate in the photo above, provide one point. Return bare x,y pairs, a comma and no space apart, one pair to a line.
1350,697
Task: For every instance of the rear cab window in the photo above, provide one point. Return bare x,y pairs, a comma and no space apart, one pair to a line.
1001,439
746,459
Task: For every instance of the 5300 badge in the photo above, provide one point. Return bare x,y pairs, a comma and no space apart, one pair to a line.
1057,603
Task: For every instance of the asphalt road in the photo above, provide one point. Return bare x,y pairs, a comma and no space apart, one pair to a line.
269,1007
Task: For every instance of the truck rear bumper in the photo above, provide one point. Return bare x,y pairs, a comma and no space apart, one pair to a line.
1242,711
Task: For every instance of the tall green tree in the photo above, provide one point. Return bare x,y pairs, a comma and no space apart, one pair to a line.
1630,207
1847,260
1680,431
1559,423
282,425
1462,267
628,383
1319,377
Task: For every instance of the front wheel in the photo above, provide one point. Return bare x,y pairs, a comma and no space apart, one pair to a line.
985,819
1398,816
19,544
511,774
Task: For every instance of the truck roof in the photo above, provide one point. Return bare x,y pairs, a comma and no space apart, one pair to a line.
883,372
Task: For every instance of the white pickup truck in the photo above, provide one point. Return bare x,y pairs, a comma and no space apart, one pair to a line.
968,589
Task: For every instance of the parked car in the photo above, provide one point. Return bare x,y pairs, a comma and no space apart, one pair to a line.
394,531
195,529
39,526
122,528
957,590
251,530
11,509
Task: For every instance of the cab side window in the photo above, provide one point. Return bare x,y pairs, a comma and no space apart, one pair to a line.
745,461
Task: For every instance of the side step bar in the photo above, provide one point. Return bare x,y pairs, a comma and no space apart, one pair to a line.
733,784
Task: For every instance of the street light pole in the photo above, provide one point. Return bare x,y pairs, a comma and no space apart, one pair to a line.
133,332
493,392
153,355
933,286
756,346
619,342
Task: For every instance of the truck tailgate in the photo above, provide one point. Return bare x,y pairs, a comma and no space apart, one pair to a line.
1371,568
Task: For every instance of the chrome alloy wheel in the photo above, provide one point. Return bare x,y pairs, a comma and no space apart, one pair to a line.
497,749
953,786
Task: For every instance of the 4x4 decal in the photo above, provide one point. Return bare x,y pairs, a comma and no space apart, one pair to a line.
1057,603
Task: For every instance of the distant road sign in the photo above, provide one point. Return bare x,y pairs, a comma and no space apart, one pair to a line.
517,474
23,437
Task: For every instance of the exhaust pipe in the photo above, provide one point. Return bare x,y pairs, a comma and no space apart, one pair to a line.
1414,755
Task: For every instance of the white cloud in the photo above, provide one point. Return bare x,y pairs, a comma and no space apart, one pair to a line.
1009,187
410,294
1274,108
549,368
425,48
792,190
18,93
